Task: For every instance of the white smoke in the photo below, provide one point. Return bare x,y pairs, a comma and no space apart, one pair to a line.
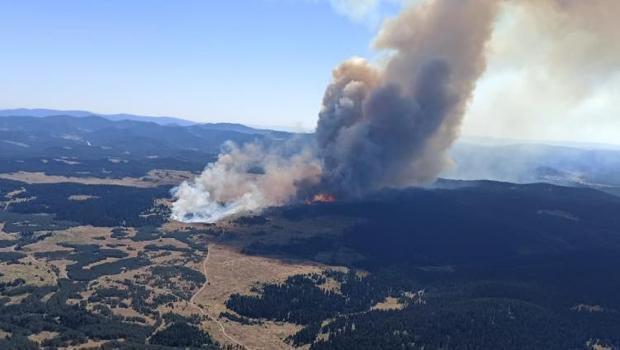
553,73
244,179
387,125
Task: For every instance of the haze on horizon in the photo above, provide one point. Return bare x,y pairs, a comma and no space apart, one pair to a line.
267,62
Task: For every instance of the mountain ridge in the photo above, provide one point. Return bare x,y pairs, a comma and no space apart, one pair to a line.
46,112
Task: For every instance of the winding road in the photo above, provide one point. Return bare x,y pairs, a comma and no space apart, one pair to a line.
192,301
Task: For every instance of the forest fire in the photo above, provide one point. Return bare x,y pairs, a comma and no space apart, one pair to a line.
322,198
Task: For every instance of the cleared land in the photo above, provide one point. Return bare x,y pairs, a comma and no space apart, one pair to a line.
154,178
230,272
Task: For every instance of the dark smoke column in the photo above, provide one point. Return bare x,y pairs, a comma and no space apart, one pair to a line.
380,126
391,126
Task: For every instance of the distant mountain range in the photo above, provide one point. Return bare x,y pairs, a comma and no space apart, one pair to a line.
43,112
60,134
87,145
29,134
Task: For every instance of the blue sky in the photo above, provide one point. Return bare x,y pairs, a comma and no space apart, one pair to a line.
261,62
267,63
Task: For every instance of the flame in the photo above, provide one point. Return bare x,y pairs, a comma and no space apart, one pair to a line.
322,198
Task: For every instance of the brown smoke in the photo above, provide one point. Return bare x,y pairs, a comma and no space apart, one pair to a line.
391,124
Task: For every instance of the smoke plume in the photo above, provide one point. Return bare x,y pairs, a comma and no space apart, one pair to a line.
561,56
244,179
391,126
380,125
